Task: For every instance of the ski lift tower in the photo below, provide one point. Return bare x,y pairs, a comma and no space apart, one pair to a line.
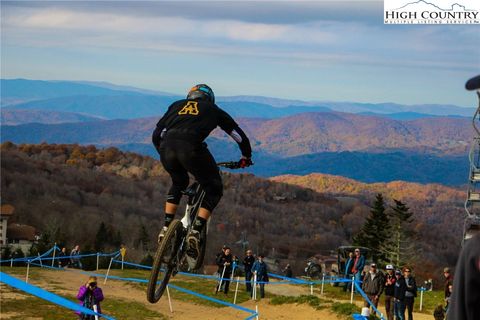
472,204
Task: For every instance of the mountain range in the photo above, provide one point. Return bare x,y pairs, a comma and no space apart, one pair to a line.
288,136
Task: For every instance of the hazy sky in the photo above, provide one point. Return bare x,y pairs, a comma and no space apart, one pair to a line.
316,50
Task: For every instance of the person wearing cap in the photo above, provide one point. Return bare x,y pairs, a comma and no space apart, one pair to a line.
399,296
247,264
448,282
411,291
260,269
358,265
90,295
390,280
373,284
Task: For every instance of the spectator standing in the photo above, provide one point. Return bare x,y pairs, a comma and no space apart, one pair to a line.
411,292
389,291
373,284
348,269
224,262
399,296
62,261
90,295
448,282
260,269
75,257
358,265
248,263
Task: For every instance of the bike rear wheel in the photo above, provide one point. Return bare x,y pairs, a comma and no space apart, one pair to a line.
164,262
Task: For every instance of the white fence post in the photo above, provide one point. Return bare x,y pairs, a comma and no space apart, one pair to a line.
54,251
11,263
221,280
108,271
323,282
254,296
421,299
98,259
353,284
236,291
169,300
28,271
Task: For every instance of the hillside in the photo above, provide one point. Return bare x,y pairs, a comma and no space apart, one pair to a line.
290,136
72,188
16,117
432,204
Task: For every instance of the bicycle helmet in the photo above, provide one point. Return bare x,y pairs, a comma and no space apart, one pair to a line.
202,92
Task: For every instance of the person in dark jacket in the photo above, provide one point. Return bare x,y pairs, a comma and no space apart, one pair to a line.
411,292
372,285
224,263
465,298
348,270
90,296
448,282
62,261
390,280
399,296
179,139
260,269
247,264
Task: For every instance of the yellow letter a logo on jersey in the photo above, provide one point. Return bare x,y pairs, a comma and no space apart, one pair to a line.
190,108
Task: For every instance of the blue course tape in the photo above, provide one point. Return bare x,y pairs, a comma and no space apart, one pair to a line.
228,304
173,287
362,293
48,296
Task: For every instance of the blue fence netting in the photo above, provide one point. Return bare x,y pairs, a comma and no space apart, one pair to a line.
283,280
48,296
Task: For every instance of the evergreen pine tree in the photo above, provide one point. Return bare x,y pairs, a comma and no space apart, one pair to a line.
399,249
375,231
142,239
102,237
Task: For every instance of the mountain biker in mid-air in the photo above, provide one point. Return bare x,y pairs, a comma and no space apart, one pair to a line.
178,138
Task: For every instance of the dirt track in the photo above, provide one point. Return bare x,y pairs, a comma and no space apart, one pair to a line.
186,310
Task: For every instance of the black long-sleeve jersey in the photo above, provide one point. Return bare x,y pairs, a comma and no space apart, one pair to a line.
194,120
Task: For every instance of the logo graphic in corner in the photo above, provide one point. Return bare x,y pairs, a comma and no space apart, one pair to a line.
431,12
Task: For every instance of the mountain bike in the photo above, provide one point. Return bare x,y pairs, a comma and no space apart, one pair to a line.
171,255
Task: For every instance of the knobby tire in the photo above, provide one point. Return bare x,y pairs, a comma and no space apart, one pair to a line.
167,249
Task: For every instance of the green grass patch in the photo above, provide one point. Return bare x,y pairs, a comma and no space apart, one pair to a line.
312,301
29,306
345,309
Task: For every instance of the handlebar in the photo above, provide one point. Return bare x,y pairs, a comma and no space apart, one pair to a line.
230,164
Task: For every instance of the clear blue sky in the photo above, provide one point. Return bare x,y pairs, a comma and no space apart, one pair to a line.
317,50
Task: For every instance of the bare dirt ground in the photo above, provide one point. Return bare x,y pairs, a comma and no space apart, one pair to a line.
59,280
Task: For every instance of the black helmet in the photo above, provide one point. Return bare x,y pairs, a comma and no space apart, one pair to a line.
202,92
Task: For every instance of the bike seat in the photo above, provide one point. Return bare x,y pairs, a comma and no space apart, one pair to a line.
190,191
473,84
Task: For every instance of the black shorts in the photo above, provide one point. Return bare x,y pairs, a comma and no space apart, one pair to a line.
180,157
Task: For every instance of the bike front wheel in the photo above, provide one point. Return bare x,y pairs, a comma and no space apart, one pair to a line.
164,262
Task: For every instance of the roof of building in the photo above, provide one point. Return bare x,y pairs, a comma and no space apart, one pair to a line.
7,210
17,231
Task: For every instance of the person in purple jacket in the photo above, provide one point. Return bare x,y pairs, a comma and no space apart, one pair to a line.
90,296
